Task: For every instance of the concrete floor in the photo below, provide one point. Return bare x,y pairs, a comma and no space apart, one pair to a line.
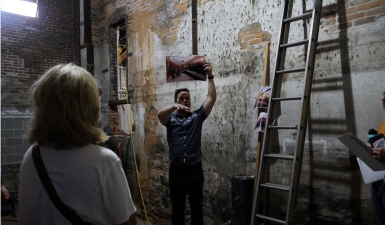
9,220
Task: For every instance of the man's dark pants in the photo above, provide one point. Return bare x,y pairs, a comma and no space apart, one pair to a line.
186,180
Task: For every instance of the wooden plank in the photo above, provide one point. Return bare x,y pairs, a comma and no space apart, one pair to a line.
122,57
266,70
260,134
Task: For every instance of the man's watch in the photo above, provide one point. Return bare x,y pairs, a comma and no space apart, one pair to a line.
210,77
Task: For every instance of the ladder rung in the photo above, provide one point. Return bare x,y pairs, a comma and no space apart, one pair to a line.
270,219
279,156
304,42
286,99
276,186
283,127
291,70
296,18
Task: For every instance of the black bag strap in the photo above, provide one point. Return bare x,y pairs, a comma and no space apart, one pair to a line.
68,213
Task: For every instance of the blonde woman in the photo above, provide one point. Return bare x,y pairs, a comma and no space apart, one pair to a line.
88,179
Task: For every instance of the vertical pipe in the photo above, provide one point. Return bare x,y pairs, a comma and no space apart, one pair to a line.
194,7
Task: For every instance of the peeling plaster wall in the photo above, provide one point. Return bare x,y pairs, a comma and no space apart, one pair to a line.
346,95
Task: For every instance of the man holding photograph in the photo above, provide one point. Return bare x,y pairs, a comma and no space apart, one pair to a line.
184,131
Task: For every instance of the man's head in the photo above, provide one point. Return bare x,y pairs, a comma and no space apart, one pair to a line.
182,96
383,100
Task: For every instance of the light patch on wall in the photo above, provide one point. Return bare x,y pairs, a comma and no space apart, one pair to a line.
19,7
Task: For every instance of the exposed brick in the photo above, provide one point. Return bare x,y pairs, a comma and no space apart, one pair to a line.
255,41
350,10
6,133
13,141
250,37
369,5
30,46
376,11
342,26
364,20
15,124
26,141
14,158
7,150
19,133
21,149
351,17
357,2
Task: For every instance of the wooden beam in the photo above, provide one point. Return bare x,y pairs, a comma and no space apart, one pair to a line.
266,69
122,57
260,134
114,103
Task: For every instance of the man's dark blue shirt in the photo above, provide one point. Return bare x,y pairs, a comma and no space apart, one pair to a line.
184,137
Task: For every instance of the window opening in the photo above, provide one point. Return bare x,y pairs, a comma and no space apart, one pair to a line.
122,60
19,7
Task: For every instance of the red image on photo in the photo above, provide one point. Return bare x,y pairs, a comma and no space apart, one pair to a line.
185,68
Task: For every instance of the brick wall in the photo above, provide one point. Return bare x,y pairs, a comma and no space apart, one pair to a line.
353,13
114,123
252,37
29,46
32,45
13,141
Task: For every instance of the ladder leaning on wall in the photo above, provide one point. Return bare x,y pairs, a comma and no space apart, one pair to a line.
263,184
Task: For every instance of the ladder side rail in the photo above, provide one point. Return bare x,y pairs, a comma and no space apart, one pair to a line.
301,133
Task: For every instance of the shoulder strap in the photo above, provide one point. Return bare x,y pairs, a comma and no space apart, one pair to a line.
68,213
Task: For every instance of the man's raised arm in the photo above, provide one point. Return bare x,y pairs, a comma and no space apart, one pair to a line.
212,93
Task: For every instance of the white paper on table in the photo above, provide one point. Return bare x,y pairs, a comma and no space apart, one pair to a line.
368,174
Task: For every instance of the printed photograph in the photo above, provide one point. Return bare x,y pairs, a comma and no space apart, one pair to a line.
262,101
261,123
185,68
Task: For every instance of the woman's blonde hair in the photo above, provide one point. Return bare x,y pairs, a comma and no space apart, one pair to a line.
67,108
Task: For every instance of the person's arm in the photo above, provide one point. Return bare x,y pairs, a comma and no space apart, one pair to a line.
131,221
212,93
164,114
4,194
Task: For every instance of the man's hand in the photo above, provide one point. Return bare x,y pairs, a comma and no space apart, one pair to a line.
379,154
182,108
163,114
208,68
4,195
